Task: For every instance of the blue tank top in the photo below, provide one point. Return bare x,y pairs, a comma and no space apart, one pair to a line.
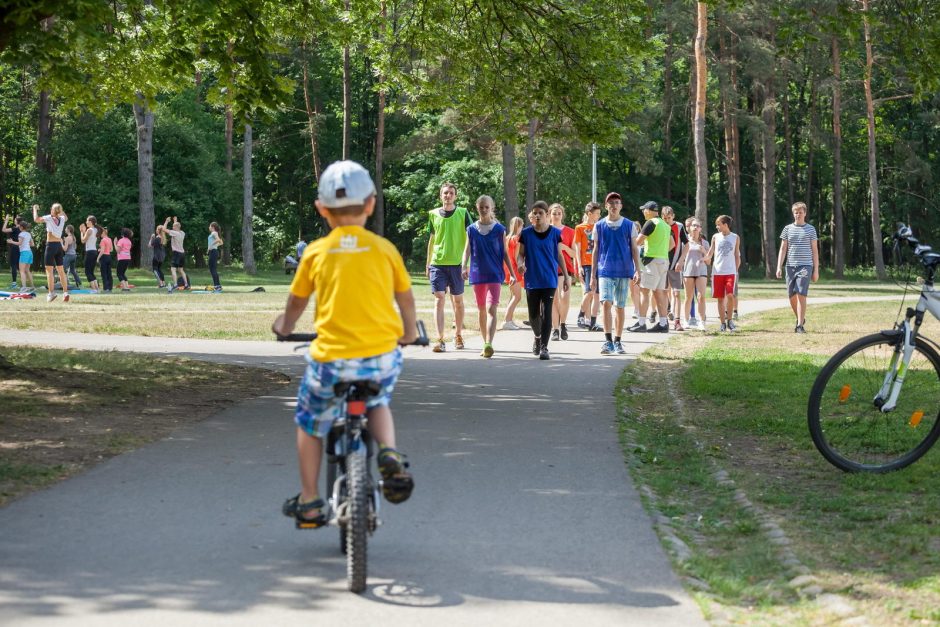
612,248
541,258
486,254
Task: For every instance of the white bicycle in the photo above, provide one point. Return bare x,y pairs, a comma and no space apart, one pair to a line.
875,406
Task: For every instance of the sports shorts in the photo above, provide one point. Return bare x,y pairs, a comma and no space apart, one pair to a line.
487,294
653,274
26,256
586,279
179,260
443,277
54,254
674,279
614,290
317,405
723,285
798,279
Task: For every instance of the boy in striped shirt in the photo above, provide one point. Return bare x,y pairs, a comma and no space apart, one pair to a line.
800,249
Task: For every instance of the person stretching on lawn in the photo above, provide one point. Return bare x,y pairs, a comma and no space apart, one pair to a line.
54,256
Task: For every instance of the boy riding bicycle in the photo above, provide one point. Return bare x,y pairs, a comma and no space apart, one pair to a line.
354,274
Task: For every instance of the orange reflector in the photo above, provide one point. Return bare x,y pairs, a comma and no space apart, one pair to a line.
844,393
356,408
916,417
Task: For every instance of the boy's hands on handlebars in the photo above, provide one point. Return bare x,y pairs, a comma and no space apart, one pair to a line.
280,326
408,338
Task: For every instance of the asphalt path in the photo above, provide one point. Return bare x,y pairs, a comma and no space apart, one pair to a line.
523,509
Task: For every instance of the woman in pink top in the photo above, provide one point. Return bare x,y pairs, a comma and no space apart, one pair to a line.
123,248
104,260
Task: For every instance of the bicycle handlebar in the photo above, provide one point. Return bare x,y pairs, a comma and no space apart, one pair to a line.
923,252
422,339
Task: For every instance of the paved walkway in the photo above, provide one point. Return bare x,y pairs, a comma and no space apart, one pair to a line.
523,510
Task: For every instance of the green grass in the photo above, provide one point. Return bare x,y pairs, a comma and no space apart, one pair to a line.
873,538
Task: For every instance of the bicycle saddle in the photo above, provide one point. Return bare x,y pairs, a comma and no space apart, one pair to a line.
371,388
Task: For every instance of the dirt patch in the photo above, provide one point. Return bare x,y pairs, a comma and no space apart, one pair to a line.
65,411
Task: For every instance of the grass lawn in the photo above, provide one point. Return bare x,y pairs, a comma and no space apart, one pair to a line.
64,411
239,313
737,403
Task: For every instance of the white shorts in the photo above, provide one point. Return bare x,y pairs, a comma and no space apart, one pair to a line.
653,274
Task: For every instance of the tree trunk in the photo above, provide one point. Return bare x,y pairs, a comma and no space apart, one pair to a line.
347,122
788,148
729,105
43,158
701,77
530,165
313,114
768,170
877,242
378,217
248,252
144,118
667,105
510,188
838,227
229,127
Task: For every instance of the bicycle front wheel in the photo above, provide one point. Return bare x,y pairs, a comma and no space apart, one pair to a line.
357,529
844,413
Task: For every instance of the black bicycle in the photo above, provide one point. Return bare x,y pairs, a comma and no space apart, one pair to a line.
354,501
875,406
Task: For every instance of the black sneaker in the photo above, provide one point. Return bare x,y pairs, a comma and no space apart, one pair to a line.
582,324
800,329
536,346
660,328
638,327
597,327
543,354
564,332
555,335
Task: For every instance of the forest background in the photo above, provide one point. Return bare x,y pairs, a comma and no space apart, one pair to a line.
135,111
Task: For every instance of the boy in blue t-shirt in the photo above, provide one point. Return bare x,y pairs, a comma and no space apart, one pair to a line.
614,266
539,259
483,259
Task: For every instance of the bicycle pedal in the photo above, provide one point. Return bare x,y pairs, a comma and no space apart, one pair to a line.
310,524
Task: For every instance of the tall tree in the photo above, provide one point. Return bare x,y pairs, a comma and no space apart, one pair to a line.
838,228
248,251
701,80
728,86
877,238
510,188
530,165
143,116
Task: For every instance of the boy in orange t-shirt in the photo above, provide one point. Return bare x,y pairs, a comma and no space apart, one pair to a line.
584,245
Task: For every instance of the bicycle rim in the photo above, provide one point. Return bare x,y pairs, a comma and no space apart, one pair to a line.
848,427
357,529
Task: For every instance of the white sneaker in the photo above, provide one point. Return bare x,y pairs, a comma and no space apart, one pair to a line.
50,297
510,326
701,325
65,297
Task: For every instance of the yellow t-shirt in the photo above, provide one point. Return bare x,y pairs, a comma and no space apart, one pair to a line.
355,274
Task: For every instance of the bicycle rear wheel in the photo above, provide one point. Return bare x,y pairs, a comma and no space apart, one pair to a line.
357,529
846,422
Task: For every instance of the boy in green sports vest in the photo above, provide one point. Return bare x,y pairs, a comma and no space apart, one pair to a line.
448,238
656,237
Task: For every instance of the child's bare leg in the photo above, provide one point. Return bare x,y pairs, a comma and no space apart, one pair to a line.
185,278
619,317
689,294
492,311
382,426
309,455
514,299
173,272
50,281
483,325
63,278
722,314
607,315
644,301
458,312
438,311
731,304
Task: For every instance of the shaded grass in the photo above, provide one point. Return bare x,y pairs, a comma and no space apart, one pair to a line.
66,410
873,538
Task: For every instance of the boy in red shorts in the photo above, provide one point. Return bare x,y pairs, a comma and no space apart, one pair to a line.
725,257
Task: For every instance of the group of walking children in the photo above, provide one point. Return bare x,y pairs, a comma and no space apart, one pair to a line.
61,253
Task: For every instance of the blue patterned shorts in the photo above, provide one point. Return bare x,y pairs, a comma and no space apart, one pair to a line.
318,406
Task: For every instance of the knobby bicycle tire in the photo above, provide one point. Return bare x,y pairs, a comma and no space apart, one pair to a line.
357,529
847,426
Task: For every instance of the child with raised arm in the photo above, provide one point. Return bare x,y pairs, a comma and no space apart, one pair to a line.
54,255
158,245
483,260
614,267
215,243
24,246
724,255
539,259
176,235
89,229
355,274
